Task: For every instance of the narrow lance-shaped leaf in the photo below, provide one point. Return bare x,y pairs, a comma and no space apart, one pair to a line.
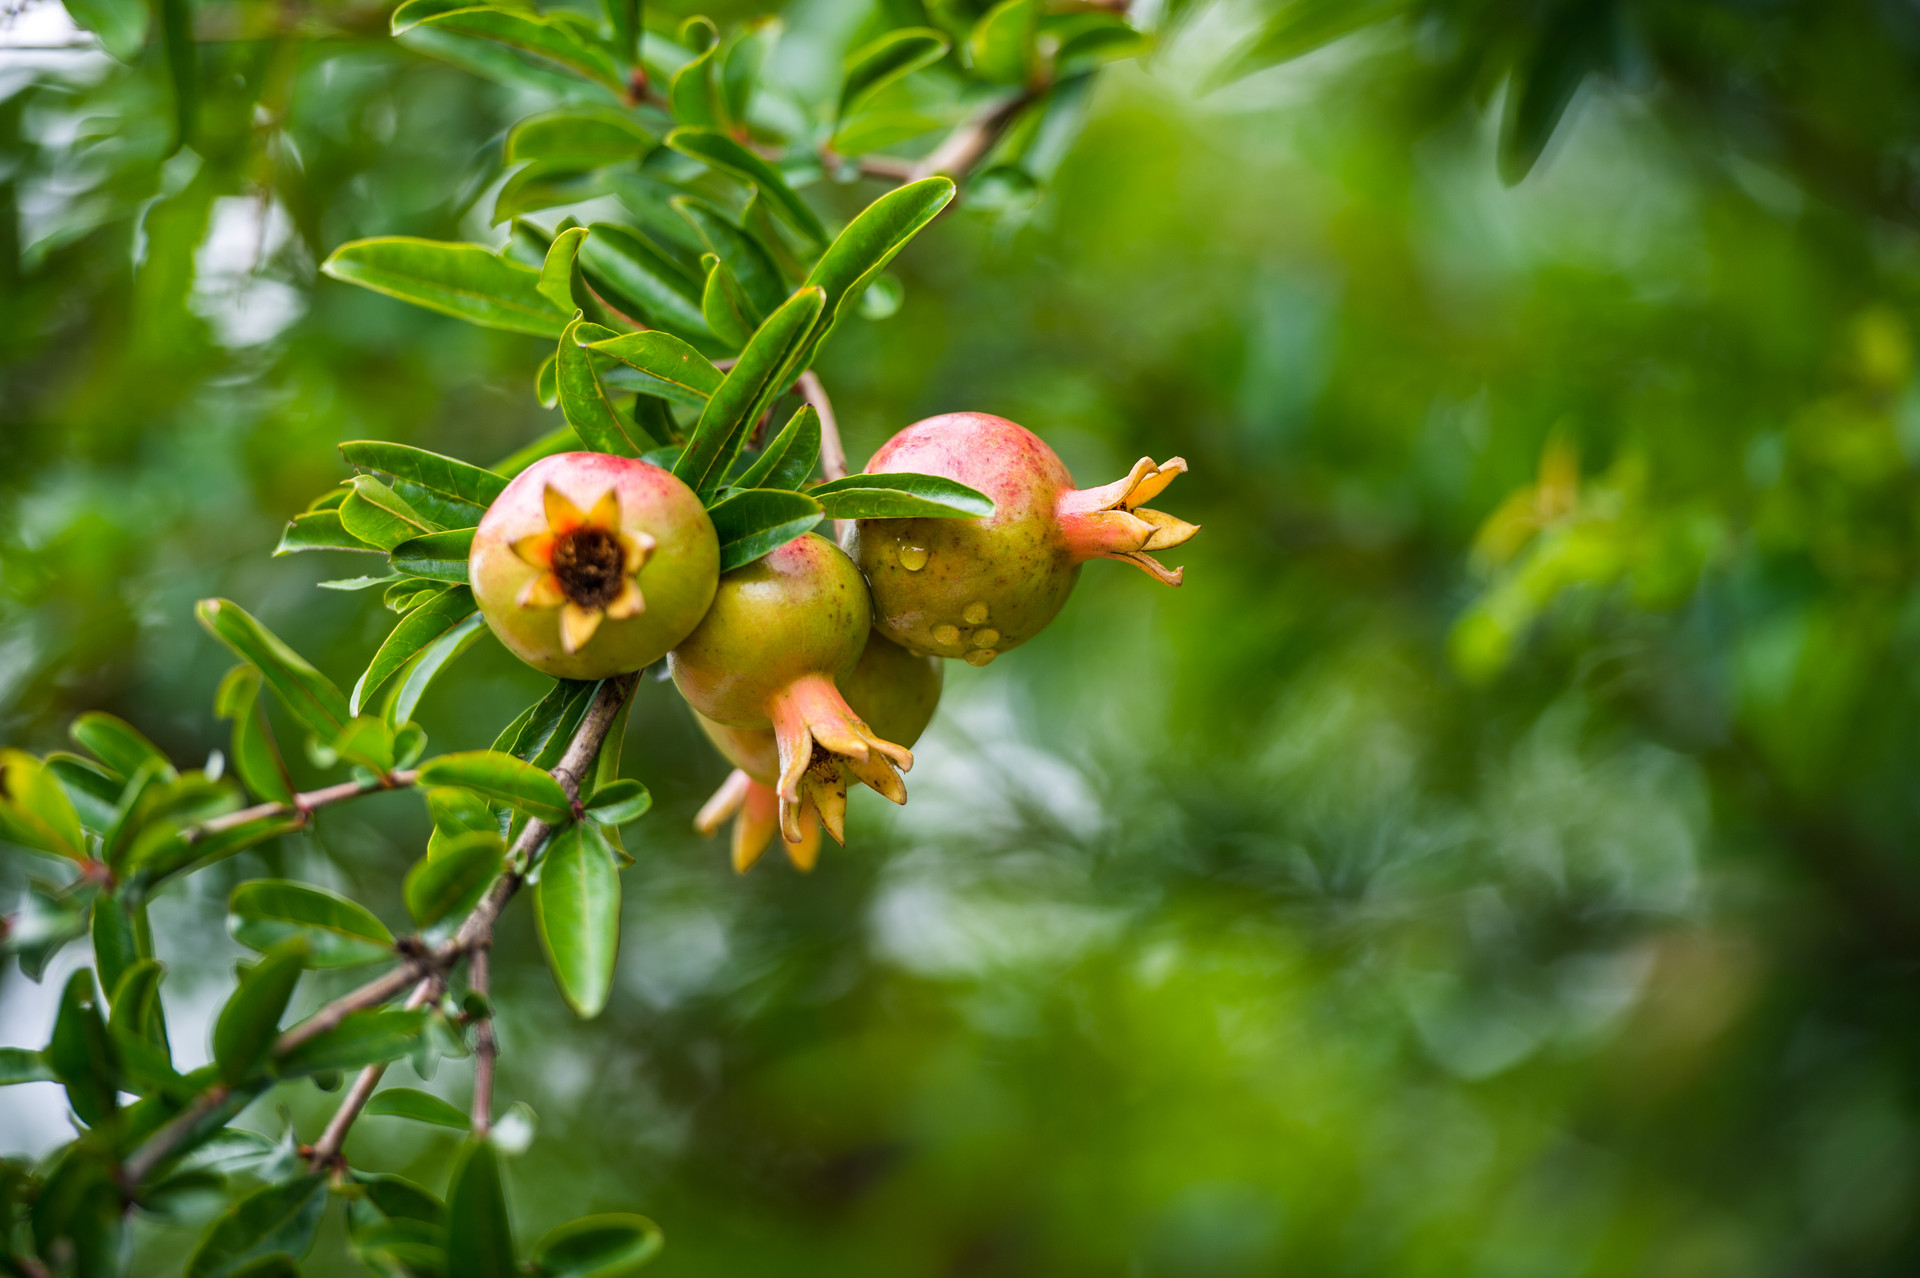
789,458
618,802
280,1218
81,1052
421,1107
609,1246
336,932
582,136
120,24
877,64
183,68
900,495
762,371
728,311
251,1018
309,695
371,1036
722,152
479,1235
523,31
428,665
671,368
24,1065
379,516
453,478
584,400
1002,44
35,811
501,778
451,877
319,530
115,948
256,756
642,280
468,281
873,239
562,263
577,906
117,743
421,627
749,261
624,17
440,556
752,523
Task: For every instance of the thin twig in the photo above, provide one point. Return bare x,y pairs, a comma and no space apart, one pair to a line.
144,1159
486,1047
303,805
381,989
967,145
833,454
334,1138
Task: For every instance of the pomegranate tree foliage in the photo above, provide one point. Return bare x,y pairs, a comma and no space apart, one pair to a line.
1726,593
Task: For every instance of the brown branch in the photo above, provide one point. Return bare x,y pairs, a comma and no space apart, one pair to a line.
144,1159
327,1149
303,805
833,454
486,1047
967,145
381,989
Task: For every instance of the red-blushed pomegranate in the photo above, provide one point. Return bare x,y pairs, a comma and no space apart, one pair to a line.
974,588
780,634
591,565
893,690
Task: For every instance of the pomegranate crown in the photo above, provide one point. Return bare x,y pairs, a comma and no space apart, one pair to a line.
587,564
1113,522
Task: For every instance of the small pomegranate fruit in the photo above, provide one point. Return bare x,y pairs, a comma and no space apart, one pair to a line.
894,691
591,565
974,588
768,654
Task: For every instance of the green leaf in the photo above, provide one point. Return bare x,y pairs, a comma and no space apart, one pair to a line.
422,626
256,757
369,1037
728,312
275,1264
581,137
447,476
723,153
250,1020
755,521
398,1198
138,1028
542,730
741,60
319,530
1001,47
633,274
440,556
120,24
114,947
749,261
183,68
584,400
479,1235
81,1052
859,253
877,64
421,1107
427,666
557,273
577,905
788,460
467,281
456,811
1299,28
1575,42
618,802
501,778
606,1246
23,1065
273,1218
118,744
452,876
337,932
669,367
367,741
694,94
93,791
545,388
546,184
624,17
900,495
309,696
155,861
763,370
34,809
524,32
381,517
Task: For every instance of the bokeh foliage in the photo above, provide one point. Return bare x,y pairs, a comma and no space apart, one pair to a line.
1494,859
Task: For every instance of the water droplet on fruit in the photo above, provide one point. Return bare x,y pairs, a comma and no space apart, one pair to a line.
913,558
975,614
986,638
946,635
981,656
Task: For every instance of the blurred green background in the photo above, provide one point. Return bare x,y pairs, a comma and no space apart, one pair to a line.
1498,857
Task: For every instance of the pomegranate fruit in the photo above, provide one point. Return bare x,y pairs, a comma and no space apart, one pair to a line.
590,565
894,691
780,634
973,588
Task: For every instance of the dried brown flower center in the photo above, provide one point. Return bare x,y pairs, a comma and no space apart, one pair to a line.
587,563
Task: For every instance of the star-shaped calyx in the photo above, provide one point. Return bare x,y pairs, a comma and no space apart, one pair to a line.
587,564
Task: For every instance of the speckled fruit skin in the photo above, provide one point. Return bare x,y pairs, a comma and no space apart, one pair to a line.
678,580
1015,559
893,690
798,611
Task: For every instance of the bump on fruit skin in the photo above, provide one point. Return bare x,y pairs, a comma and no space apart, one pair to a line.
779,634
974,588
893,690
564,595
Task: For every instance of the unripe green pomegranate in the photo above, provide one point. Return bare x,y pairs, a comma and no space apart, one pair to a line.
591,565
974,588
894,691
780,634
